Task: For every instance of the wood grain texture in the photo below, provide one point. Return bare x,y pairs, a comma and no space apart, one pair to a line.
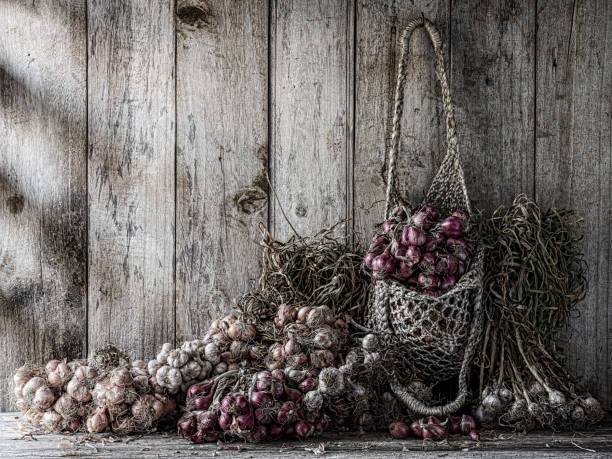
43,207
574,162
310,125
131,174
222,155
492,82
596,442
422,147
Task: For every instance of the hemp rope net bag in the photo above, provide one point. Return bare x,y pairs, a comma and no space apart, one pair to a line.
440,334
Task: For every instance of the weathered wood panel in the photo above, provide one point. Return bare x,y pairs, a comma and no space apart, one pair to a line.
492,82
498,444
310,126
222,155
43,207
574,163
379,26
131,173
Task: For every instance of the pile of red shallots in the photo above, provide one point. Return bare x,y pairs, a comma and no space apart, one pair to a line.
300,393
434,429
420,250
79,395
275,404
269,410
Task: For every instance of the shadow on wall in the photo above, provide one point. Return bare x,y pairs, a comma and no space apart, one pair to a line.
42,185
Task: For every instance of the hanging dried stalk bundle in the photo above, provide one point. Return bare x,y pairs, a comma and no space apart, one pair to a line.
315,270
535,276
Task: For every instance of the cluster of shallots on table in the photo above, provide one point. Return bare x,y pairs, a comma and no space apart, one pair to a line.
434,429
73,396
299,393
420,250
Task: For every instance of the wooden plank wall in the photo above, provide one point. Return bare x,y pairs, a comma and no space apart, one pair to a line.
136,137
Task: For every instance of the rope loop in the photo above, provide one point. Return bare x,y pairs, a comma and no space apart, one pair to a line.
450,170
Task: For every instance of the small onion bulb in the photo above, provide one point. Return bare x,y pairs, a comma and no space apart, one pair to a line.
51,421
43,398
97,421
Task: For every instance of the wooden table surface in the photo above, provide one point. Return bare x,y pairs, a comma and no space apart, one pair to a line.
17,442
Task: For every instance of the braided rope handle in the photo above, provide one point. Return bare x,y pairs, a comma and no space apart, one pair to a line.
417,406
452,158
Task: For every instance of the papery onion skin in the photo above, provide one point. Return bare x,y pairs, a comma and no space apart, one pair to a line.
243,422
200,388
428,263
303,429
263,380
428,281
403,272
262,416
431,211
378,246
417,429
278,375
51,366
261,399
412,256
275,431
461,215
207,420
383,263
452,226
187,425
422,220
202,402
454,423
228,404
260,433
448,282
412,236
308,384
399,430
446,265
293,395
388,226
242,404
287,413
434,432
432,242
397,249
225,421
467,424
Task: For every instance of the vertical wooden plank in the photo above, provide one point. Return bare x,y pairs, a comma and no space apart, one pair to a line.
309,114
492,57
574,164
131,173
379,26
43,213
222,155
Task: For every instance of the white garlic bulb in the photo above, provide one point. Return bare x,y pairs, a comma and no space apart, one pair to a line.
177,358
169,377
